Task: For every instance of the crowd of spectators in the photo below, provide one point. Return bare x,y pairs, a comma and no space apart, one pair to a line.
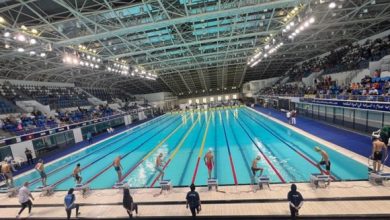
36,121
350,57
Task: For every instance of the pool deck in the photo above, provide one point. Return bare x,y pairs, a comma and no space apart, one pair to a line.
348,199
340,199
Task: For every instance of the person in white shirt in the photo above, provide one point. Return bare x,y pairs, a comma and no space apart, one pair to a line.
24,199
288,115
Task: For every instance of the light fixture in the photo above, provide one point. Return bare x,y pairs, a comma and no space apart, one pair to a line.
7,46
7,34
332,5
21,37
32,53
2,20
311,20
33,41
43,54
23,27
34,31
20,49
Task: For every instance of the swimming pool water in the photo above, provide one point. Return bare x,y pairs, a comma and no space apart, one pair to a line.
236,136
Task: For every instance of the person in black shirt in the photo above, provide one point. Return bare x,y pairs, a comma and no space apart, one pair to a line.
128,203
193,201
29,156
296,201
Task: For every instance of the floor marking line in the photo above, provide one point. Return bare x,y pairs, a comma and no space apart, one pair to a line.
152,151
201,149
265,157
288,145
99,148
90,164
230,154
176,149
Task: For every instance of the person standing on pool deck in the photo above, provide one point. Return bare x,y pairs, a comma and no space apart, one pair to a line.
24,195
377,149
76,174
41,170
29,156
295,200
118,167
193,201
159,165
324,160
69,202
293,116
254,167
209,161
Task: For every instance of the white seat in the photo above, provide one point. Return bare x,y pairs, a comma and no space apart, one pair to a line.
212,183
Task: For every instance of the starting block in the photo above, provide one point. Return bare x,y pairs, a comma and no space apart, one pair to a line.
263,180
83,188
379,178
165,185
46,190
11,192
319,180
212,182
121,185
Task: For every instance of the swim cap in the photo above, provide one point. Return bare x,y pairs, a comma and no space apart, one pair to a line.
317,149
258,157
210,149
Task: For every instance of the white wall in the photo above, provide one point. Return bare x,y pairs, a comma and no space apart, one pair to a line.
19,148
254,86
155,97
78,136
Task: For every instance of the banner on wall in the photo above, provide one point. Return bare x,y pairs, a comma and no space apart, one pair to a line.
350,104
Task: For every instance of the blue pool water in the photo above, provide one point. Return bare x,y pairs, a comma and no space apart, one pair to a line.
236,136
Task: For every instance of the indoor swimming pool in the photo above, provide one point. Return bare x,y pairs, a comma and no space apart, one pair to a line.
236,136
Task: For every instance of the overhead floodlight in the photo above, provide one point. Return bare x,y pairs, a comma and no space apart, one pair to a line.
43,54
306,24
290,37
291,24
23,27
312,19
32,53
75,61
266,47
20,49
33,41
7,46
265,55
81,63
34,31
2,20
21,37
332,5
7,34
301,28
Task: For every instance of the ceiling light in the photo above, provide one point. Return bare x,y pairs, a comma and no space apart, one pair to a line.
291,24
2,20
311,20
34,31
332,5
20,49
23,27
21,37
81,63
33,41
43,54
7,34
75,61
88,57
96,66
306,24
7,46
32,52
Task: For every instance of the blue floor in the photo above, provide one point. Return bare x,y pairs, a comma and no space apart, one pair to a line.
76,147
352,141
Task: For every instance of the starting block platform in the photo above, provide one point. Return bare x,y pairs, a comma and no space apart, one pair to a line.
379,178
83,188
319,180
11,192
121,185
166,185
262,181
45,190
212,183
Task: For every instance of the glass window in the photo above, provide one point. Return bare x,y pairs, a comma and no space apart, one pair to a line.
338,117
329,114
4,152
348,117
219,98
387,119
360,120
374,120
211,99
234,96
204,100
226,97
190,101
197,101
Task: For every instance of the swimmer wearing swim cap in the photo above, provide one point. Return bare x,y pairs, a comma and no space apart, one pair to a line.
209,161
